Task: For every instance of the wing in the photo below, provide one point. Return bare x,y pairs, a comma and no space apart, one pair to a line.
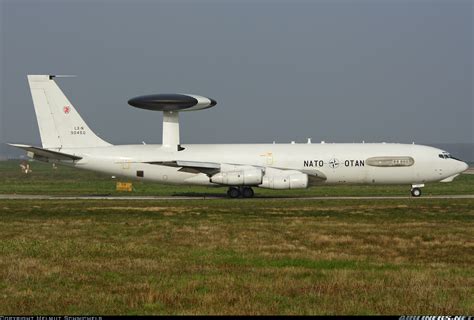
315,177
208,168
211,168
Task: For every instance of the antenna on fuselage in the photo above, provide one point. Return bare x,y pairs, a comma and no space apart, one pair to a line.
171,104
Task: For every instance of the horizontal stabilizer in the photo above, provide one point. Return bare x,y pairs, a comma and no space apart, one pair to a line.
44,153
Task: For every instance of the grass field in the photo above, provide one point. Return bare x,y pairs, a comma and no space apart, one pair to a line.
225,256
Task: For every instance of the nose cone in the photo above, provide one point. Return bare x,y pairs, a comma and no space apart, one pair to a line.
464,166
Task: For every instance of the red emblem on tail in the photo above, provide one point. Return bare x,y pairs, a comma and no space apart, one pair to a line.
67,109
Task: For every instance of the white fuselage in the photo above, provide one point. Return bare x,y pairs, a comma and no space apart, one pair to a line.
339,163
66,138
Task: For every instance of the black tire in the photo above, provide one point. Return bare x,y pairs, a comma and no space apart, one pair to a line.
233,192
416,192
247,192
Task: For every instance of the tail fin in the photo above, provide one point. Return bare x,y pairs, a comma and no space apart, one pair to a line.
59,123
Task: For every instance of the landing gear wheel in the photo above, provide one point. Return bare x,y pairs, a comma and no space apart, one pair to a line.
416,192
247,192
233,192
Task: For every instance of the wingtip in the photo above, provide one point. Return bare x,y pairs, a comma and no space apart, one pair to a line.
51,76
17,145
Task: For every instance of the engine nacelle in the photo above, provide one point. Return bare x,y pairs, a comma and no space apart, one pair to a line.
238,176
284,179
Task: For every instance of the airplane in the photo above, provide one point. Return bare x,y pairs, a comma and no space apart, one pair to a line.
67,140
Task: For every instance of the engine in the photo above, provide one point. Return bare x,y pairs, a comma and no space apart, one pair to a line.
238,176
284,179
234,175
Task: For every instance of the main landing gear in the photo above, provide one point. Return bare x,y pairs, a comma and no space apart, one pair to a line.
416,190
236,192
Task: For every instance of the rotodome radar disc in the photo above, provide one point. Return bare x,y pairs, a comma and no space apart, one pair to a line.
172,102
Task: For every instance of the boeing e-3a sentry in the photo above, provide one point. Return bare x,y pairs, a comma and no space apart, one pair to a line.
66,139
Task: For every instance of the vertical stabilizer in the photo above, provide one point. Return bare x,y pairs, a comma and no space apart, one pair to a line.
59,123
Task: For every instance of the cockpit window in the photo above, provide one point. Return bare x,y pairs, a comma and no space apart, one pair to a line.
451,157
446,155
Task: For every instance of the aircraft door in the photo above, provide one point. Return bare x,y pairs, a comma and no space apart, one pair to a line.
267,158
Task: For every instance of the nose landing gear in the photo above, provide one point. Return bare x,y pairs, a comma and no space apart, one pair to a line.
416,190
236,192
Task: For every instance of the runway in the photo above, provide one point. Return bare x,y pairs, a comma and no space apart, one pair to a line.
163,198
469,171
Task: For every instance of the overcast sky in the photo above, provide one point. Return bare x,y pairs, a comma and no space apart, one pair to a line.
339,71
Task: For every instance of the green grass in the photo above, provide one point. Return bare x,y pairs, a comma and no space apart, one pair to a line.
267,256
71,181
253,256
